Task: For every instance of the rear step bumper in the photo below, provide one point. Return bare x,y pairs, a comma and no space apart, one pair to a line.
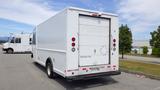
95,75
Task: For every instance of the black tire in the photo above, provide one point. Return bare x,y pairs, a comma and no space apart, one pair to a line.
32,55
49,70
10,51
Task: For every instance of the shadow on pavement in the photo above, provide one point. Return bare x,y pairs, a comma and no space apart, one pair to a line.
85,84
18,53
80,84
39,66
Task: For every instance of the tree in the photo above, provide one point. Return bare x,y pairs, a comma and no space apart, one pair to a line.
145,49
135,51
156,52
2,41
125,39
155,42
155,38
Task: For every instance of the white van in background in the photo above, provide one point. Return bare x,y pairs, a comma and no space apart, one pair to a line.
18,43
78,44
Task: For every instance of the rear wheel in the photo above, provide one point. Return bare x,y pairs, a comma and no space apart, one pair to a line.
49,70
32,55
10,51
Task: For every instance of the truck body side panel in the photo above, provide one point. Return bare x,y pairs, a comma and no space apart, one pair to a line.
51,42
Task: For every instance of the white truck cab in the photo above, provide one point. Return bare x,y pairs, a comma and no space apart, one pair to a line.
18,43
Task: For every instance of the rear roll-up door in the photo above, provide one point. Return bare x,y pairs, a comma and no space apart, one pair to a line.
93,40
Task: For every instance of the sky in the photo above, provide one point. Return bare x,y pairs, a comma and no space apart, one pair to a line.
141,16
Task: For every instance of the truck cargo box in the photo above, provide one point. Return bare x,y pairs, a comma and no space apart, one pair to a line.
78,43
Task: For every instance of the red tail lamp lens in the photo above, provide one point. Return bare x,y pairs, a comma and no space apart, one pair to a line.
114,44
73,44
73,38
114,40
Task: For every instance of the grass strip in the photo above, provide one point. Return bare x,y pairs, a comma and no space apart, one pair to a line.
147,69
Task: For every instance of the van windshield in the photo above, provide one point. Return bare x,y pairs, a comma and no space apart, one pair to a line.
11,39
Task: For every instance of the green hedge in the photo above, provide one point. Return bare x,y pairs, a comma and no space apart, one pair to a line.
156,52
145,50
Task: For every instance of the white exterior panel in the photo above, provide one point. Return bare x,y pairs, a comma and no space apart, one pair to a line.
114,58
72,31
51,42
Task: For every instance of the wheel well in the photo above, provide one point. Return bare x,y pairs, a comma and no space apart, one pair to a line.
10,48
49,60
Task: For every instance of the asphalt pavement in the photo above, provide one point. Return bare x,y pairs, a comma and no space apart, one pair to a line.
19,72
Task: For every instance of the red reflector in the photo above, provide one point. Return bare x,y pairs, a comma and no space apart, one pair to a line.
114,65
73,39
84,68
73,44
114,40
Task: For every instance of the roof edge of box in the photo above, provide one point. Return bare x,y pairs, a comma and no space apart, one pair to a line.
91,11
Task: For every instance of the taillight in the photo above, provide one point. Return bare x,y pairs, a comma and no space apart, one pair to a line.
73,39
114,44
73,44
114,40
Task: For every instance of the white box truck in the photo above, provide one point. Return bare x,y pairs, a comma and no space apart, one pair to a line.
18,43
78,44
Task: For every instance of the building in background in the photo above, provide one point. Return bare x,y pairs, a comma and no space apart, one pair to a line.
138,44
